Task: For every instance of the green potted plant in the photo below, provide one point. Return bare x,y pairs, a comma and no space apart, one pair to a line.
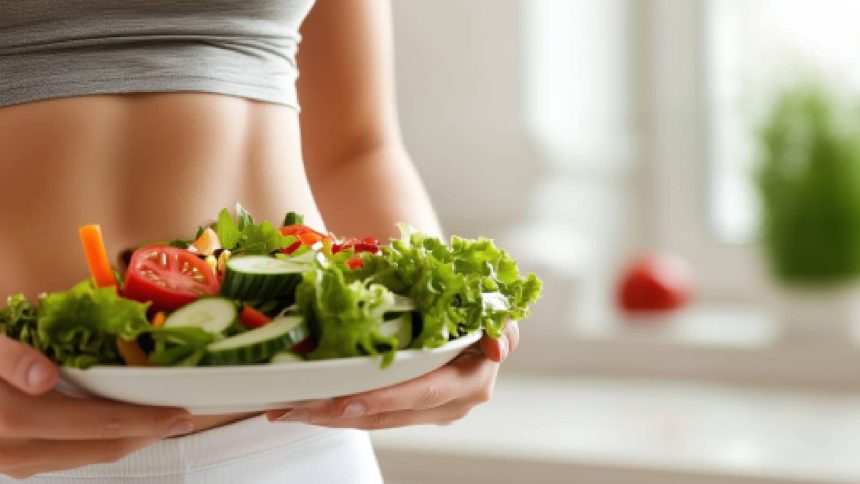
809,182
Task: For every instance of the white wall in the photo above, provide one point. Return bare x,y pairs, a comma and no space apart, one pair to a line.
460,85
520,115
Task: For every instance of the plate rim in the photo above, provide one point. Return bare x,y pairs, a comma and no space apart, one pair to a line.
111,370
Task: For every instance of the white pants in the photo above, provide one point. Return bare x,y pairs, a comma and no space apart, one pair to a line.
254,451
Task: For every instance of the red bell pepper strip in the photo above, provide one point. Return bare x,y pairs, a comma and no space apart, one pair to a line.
304,346
355,263
298,229
306,236
367,244
310,238
251,318
292,247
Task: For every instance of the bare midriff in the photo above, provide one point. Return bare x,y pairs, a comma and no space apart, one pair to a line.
145,167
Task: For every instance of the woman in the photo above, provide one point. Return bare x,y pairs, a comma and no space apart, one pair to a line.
145,117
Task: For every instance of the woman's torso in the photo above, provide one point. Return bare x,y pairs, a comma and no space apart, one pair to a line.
76,147
144,166
147,166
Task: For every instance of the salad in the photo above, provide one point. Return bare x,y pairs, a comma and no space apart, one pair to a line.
246,292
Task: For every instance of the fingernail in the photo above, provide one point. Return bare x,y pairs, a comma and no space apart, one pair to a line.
295,415
503,346
275,416
180,427
38,374
354,409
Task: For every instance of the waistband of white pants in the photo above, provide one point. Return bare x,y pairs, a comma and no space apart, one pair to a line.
205,449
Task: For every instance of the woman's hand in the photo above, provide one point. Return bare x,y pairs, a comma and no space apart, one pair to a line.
439,397
42,430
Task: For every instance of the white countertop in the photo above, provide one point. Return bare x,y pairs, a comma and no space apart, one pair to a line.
672,426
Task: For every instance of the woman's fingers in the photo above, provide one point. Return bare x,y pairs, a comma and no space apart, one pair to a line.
441,396
497,349
16,457
469,377
442,415
60,417
25,368
54,431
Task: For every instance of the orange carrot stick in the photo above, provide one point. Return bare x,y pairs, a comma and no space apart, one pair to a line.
96,255
158,319
131,352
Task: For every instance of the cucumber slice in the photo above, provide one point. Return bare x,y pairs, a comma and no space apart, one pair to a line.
194,358
293,218
400,328
291,310
260,277
212,314
258,344
402,304
286,357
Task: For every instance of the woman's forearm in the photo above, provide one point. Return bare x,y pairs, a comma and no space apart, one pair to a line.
362,178
366,194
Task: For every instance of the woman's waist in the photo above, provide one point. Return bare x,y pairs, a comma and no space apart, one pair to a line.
179,136
126,130
145,167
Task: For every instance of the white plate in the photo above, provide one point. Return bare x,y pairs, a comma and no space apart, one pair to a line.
211,390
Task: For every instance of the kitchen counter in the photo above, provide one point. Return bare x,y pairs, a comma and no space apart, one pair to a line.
547,429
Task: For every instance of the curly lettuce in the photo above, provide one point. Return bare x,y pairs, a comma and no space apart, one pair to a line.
78,327
18,320
459,288
242,235
344,317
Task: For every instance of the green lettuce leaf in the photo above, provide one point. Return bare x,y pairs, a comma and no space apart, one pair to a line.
241,235
243,217
465,286
344,317
226,230
179,346
18,320
79,327
262,239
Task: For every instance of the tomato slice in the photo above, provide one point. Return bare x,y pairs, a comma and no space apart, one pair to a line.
169,277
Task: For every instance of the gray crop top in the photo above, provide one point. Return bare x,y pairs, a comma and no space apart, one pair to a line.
246,48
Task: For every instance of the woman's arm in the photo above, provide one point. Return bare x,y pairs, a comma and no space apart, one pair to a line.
364,183
360,173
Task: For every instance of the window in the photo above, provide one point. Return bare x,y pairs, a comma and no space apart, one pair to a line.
711,67
753,48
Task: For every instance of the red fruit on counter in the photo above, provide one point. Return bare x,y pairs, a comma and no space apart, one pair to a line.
655,282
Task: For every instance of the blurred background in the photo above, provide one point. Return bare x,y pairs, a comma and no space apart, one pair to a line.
684,175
